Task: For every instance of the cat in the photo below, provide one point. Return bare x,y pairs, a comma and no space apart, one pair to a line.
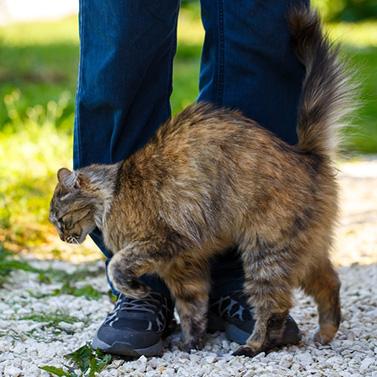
211,179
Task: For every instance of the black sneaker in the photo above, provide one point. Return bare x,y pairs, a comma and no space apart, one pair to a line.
232,314
136,327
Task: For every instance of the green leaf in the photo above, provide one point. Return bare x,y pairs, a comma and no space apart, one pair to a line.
54,371
104,362
89,360
81,357
93,368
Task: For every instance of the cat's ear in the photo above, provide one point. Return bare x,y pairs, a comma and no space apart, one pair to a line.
69,179
63,174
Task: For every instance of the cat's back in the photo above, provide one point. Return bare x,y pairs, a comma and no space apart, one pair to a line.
201,122
198,148
205,132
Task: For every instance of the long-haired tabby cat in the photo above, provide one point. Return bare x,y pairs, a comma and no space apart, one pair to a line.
211,179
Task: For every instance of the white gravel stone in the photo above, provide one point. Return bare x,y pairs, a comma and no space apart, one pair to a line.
12,371
366,363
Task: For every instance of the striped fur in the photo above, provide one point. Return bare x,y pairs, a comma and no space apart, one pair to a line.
211,179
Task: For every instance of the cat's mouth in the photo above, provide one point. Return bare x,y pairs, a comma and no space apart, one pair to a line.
74,239
79,237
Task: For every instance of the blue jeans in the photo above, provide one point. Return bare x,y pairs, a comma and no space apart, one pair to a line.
125,81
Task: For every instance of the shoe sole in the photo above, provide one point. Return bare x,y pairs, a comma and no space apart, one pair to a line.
124,349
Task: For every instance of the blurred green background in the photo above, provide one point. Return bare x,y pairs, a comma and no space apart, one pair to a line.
38,67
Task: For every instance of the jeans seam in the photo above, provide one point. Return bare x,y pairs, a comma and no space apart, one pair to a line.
220,54
172,52
79,85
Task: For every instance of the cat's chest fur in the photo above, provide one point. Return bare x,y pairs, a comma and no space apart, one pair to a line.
125,224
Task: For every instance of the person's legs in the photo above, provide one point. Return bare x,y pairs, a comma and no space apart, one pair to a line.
125,81
248,64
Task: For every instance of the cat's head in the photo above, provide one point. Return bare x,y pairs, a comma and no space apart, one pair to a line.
72,207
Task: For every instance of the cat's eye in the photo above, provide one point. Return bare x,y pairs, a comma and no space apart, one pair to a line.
64,223
68,223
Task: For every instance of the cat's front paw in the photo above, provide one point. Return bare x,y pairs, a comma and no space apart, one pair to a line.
193,344
132,288
246,351
125,280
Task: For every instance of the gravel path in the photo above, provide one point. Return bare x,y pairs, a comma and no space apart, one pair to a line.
27,342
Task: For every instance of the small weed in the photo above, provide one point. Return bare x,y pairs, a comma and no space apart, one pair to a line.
85,361
41,336
51,319
12,334
55,322
77,275
86,291
51,274
8,264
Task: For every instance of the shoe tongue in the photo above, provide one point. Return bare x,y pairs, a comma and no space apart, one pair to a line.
127,306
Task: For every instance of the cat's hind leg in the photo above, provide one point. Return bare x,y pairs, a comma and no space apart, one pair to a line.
322,283
268,286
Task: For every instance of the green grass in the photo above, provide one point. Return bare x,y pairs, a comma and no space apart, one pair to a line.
37,89
53,322
359,47
51,319
86,291
31,147
9,263
40,59
363,134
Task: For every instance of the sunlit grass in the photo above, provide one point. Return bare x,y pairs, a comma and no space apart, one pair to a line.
41,33
361,34
30,148
190,29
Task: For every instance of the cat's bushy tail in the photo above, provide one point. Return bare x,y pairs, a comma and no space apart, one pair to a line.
328,95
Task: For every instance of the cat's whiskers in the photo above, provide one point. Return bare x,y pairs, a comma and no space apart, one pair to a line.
72,239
